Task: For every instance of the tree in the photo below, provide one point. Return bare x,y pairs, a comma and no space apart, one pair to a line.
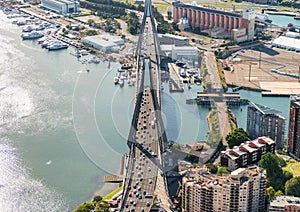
85,207
91,32
278,193
236,137
212,168
223,170
275,175
97,198
292,187
270,193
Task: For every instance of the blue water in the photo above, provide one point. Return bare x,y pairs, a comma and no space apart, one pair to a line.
280,104
283,20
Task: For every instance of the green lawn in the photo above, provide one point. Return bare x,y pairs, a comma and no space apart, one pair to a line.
293,167
110,195
161,6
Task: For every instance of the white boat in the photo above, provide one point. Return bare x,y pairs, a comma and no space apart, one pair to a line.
116,80
41,40
57,46
21,23
121,80
263,17
40,27
27,29
31,35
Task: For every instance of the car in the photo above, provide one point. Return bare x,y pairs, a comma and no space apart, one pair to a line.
150,181
144,192
147,204
140,197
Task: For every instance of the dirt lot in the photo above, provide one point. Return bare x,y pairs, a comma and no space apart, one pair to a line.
261,76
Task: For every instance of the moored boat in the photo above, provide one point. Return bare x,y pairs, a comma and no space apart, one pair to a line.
31,35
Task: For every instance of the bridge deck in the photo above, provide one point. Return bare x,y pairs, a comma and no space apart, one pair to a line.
147,136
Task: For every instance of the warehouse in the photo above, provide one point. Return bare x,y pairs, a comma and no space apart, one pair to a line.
105,42
288,43
62,6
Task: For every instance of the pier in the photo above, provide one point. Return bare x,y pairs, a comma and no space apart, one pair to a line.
207,99
175,81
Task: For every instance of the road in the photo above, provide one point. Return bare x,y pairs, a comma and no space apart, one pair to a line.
144,178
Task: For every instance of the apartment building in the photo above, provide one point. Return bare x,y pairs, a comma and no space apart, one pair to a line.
294,127
285,204
247,153
264,121
243,190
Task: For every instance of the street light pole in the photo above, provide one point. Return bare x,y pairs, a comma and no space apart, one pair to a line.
249,72
299,75
260,58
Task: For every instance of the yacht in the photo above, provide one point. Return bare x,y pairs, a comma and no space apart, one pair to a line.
57,46
21,23
40,27
263,17
27,29
31,35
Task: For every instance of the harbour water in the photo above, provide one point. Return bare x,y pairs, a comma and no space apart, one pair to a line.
62,129
283,20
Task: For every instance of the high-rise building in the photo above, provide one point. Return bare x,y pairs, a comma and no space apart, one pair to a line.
243,190
264,121
285,204
294,127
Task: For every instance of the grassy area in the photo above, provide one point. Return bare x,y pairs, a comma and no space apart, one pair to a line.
206,82
293,167
110,195
232,119
161,6
221,75
213,122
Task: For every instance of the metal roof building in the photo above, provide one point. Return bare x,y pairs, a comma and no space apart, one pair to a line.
288,43
62,6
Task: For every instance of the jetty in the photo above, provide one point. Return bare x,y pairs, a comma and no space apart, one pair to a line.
206,99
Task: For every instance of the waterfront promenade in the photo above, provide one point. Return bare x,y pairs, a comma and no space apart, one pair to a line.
221,106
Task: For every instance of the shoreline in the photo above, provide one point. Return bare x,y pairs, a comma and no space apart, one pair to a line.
286,13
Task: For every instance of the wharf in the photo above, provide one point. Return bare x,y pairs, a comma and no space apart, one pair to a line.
206,99
175,81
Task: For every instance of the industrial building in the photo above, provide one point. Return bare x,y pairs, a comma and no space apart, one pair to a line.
62,6
264,121
104,42
288,43
243,190
247,153
207,18
169,39
294,127
285,204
